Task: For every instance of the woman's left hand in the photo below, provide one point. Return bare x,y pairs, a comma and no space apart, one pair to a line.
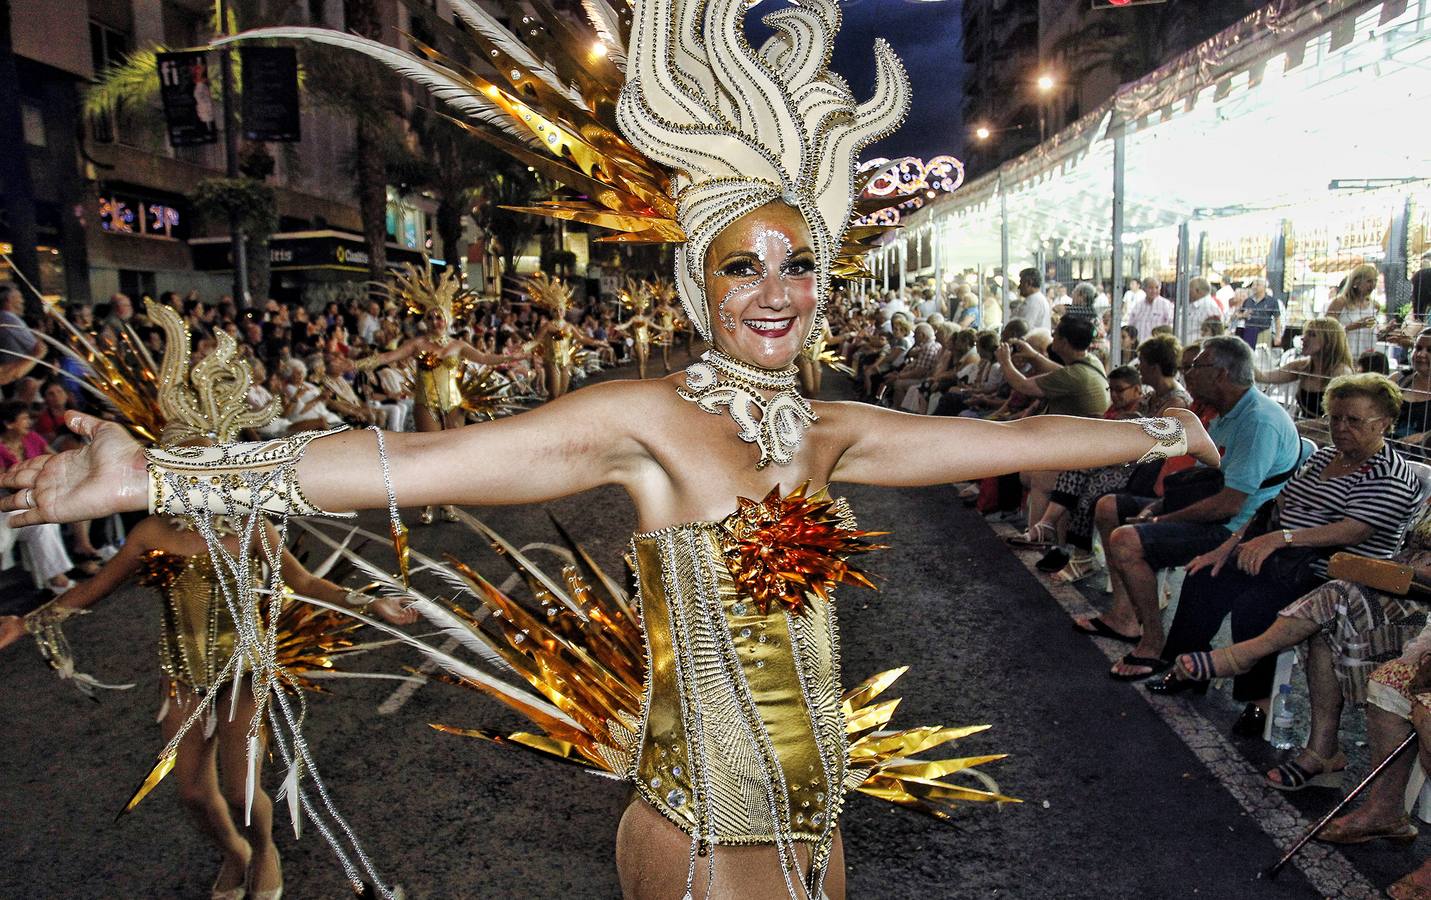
1253,553
391,610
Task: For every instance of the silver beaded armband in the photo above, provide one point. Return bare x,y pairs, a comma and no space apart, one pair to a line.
1169,438
233,479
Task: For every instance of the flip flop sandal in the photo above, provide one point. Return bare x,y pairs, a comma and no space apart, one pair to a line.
1039,536
1293,776
1099,628
1155,665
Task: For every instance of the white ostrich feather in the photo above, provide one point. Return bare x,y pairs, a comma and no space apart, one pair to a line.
484,24
440,81
608,27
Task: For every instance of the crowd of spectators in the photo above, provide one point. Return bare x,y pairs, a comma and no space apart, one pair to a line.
303,357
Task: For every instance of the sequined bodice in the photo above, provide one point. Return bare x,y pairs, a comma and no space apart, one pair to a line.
198,637
741,729
438,381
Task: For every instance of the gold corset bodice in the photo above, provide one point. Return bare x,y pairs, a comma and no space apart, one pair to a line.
438,382
197,637
742,735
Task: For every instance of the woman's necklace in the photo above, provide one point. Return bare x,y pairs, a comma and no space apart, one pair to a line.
775,425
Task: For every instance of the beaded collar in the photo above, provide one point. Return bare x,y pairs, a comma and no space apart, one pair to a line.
775,425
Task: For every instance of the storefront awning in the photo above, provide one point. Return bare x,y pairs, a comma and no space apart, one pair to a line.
1278,111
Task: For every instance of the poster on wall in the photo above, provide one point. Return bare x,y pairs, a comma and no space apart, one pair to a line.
188,102
270,93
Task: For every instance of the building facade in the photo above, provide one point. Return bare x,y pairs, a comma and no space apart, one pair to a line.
108,204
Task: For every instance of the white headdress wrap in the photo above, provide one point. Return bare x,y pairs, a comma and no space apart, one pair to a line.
743,128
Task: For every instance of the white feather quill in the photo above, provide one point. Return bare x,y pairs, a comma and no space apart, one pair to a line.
440,81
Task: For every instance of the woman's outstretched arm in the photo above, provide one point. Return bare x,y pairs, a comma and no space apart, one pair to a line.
564,447
902,450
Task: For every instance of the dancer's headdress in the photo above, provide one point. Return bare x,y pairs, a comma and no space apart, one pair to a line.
674,137
209,401
420,291
638,296
552,294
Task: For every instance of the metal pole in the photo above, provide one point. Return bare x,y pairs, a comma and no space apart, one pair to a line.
939,293
1115,334
231,154
1003,246
1180,305
903,266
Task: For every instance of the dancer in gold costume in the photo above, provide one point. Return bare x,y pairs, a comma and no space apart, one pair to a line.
558,338
745,157
643,330
668,320
440,359
198,636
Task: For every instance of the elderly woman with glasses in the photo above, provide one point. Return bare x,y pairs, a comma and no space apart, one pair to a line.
1358,495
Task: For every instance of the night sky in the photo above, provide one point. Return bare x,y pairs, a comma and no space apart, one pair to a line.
926,36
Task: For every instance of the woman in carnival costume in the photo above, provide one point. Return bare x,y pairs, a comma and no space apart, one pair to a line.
440,358
745,158
668,319
643,330
557,338
198,636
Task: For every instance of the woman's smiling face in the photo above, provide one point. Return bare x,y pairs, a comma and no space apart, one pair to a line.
761,286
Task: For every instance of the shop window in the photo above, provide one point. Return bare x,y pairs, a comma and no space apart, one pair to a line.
32,122
107,46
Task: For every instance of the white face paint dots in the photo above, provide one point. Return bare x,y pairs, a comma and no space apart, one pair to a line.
772,268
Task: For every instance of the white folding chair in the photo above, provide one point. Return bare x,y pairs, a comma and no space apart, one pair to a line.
1418,793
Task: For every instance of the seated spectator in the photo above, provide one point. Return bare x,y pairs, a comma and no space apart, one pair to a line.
1341,630
1399,698
1414,422
981,383
50,420
1325,356
1357,495
1260,449
1078,387
1064,523
918,364
47,546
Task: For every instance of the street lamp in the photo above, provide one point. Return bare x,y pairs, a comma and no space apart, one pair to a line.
982,132
1045,83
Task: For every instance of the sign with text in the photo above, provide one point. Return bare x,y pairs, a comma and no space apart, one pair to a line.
188,103
270,93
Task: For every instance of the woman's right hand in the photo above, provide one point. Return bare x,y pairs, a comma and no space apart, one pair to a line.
107,475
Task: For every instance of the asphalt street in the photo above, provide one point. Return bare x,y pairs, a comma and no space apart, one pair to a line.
1118,802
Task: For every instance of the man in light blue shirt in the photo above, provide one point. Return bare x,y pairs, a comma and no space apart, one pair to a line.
1260,449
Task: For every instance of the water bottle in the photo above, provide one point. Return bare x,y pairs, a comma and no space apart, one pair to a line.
1283,735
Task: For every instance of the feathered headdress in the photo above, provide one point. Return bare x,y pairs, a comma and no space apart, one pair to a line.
211,400
671,132
552,294
419,291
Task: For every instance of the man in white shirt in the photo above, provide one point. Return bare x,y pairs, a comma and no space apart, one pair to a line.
1133,296
1152,311
1201,307
1035,311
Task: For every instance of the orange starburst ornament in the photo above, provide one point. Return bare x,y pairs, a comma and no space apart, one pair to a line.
783,549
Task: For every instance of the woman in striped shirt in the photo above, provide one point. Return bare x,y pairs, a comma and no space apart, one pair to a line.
1358,495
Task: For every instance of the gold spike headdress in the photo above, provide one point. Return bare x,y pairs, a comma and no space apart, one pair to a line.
211,400
552,294
420,292
679,134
